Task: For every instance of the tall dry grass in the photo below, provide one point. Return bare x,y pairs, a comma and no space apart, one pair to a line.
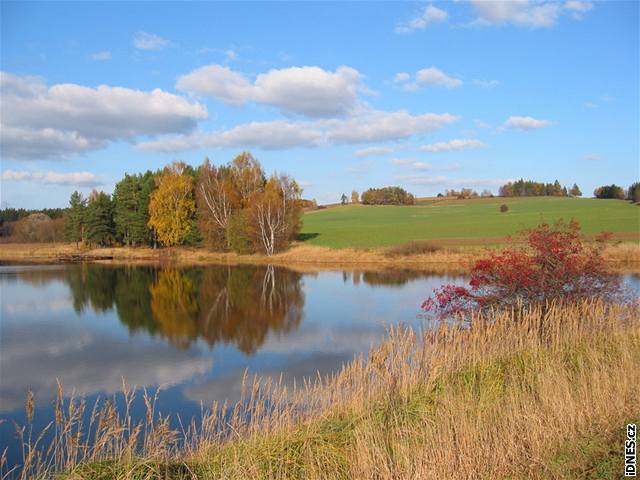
496,398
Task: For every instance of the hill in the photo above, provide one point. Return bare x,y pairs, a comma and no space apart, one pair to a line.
463,222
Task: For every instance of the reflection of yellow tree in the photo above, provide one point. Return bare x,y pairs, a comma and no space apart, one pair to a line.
174,307
241,305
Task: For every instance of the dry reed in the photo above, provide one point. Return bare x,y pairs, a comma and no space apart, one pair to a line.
498,397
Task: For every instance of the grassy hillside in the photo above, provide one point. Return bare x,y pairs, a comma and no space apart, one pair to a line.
463,222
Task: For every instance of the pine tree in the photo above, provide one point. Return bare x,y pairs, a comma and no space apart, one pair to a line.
575,191
75,225
99,219
125,207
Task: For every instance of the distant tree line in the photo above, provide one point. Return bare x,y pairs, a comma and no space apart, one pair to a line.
530,188
387,196
465,193
230,207
15,214
617,192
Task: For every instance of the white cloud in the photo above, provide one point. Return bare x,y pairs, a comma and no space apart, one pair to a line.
79,179
577,8
526,123
435,77
365,152
428,16
275,135
150,41
532,14
427,77
38,121
401,77
411,163
480,124
486,83
592,157
371,126
101,56
377,126
309,91
457,144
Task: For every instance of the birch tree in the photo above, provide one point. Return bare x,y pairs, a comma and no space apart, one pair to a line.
217,198
275,214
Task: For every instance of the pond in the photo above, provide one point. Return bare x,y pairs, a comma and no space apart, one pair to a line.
194,332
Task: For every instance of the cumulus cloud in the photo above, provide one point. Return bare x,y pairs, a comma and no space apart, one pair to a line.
577,8
275,135
435,77
101,56
457,144
150,41
532,14
39,121
309,91
592,157
79,179
365,152
525,123
427,77
428,16
401,77
382,126
369,127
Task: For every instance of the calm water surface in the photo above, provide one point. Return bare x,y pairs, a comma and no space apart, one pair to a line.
192,331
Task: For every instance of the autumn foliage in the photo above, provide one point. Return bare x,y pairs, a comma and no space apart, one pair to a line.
171,205
551,262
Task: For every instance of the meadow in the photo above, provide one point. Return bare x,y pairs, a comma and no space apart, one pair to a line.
469,222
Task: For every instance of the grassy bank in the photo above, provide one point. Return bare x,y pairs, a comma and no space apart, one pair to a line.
623,256
537,394
460,223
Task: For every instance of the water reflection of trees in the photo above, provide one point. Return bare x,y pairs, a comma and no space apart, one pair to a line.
236,305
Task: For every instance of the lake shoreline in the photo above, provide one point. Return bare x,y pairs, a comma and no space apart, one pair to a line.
621,257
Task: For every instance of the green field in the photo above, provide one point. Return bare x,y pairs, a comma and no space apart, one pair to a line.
463,222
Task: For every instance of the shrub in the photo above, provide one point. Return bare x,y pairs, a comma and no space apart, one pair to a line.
238,233
555,264
415,247
504,208
38,227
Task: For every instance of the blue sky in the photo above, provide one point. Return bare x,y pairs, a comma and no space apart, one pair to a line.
342,96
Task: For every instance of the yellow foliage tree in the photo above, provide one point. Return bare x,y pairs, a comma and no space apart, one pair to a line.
172,206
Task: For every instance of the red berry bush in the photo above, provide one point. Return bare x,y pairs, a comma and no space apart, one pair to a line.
549,262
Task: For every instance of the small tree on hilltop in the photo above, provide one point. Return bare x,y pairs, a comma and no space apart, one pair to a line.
634,192
355,198
555,264
575,191
343,199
